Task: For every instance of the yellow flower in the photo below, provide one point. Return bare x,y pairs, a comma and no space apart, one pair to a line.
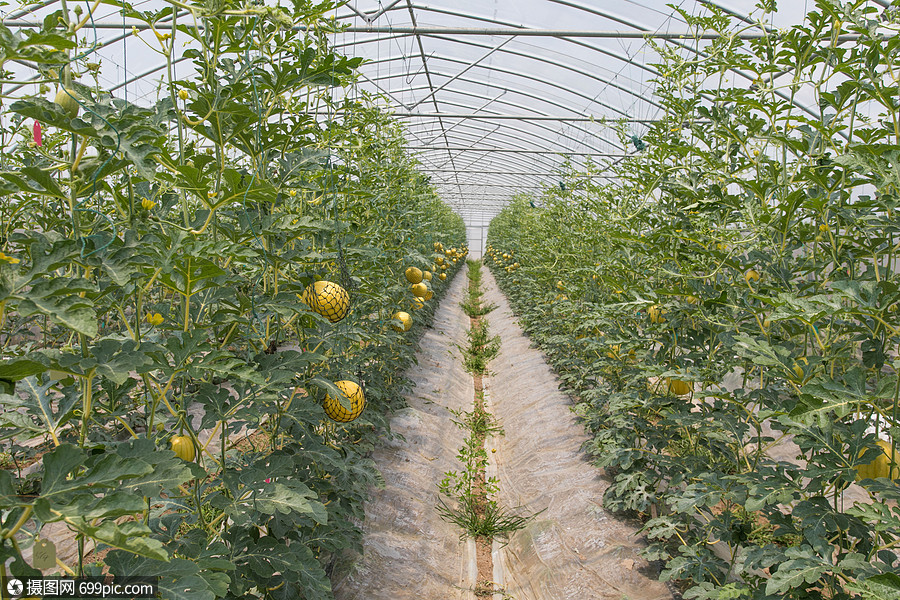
9,259
183,94
148,204
155,319
292,193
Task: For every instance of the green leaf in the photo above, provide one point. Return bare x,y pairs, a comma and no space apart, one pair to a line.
69,311
58,463
332,390
809,309
189,587
104,470
180,579
802,568
45,185
39,404
123,564
130,535
760,351
879,587
826,399
270,558
15,370
192,274
278,497
8,495
16,422
167,474
117,359
90,506
52,114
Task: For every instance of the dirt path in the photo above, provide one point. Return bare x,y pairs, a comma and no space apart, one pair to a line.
575,549
409,552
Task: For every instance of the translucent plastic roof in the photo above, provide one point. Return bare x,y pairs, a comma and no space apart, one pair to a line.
496,95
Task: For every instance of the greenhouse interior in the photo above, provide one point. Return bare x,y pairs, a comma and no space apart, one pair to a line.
450,300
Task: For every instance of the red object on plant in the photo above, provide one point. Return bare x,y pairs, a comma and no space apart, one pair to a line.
269,480
37,133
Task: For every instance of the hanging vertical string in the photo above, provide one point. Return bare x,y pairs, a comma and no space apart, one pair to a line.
79,207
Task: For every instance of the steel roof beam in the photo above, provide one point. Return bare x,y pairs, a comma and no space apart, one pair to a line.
566,67
466,142
473,124
645,31
475,31
540,141
511,25
558,33
506,187
526,76
491,117
578,42
472,139
462,72
526,173
516,150
505,102
509,161
497,162
478,109
412,17
506,181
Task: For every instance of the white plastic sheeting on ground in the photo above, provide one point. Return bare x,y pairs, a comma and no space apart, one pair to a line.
575,549
409,552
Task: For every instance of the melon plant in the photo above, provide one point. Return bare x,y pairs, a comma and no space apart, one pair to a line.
705,255
151,284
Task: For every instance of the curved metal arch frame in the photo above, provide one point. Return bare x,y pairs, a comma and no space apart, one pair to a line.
513,26
505,162
498,166
577,6
509,183
512,148
512,161
561,2
504,87
511,125
530,56
466,139
600,13
504,187
578,42
517,105
472,124
523,75
477,176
